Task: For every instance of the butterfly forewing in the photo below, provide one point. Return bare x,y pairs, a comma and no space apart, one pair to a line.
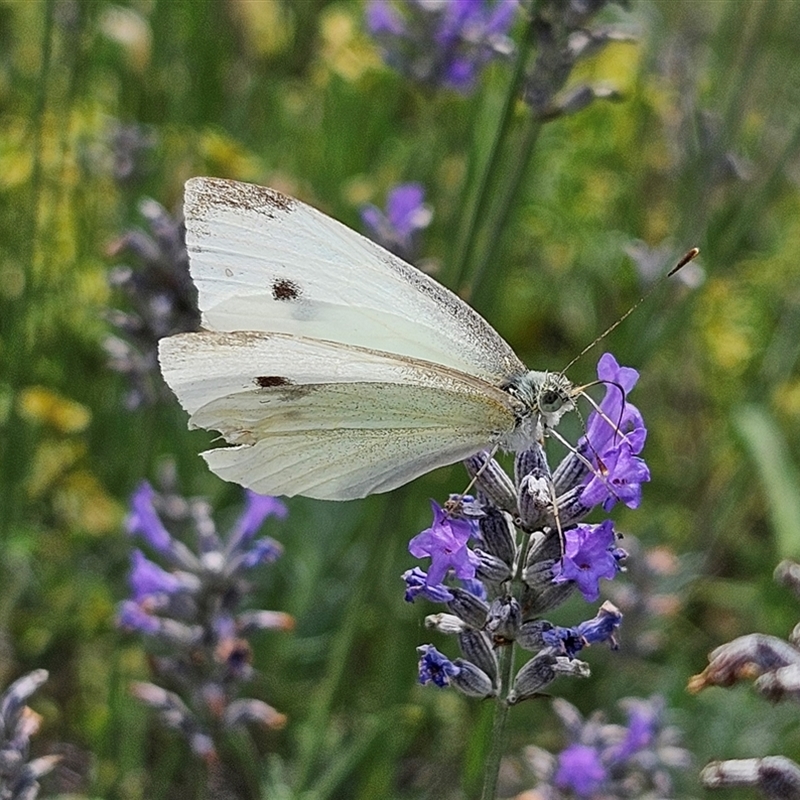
266,262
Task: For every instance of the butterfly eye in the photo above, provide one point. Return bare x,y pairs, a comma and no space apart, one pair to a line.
550,401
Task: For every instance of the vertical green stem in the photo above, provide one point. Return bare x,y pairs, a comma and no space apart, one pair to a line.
477,212
506,676
480,297
495,755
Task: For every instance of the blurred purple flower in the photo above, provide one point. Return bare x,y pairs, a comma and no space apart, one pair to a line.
445,43
445,543
580,768
643,723
406,215
258,507
590,553
383,18
263,551
132,617
144,520
159,300
606,760
147,578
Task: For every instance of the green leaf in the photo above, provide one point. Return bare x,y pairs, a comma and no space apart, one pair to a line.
779,475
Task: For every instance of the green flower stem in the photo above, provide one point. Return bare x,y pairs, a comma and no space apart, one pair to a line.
483,193
505,672
481,292
498,741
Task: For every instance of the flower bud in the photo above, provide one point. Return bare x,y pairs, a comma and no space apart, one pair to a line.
745,657
491,568
476,647
240,712
497,536
776,776
472,680
530,634
783,683
446,623
504,618
492,482
468,607
540,671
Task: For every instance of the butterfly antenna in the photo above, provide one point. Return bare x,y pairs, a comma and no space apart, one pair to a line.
690,256
580,391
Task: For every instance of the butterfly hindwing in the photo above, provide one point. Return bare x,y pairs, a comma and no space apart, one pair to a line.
328,420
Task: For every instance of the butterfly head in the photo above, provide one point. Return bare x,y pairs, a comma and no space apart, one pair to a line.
554,398
546,396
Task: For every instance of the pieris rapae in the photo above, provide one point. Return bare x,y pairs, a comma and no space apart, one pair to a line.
335,368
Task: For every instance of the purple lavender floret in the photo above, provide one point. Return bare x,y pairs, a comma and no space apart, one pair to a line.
435,667
601,628
445,543
144,521
417,586
614,437
590,553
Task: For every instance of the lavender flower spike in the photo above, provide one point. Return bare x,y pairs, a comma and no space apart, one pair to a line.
444,43
499,564
196,616
19,777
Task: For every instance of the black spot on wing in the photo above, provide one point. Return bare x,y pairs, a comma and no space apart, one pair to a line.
265,381
283,289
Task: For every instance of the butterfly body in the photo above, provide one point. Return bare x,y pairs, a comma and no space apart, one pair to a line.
334,368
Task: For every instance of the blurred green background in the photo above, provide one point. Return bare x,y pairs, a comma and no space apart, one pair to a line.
701,149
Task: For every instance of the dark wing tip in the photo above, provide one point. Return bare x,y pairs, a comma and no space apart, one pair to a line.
204,194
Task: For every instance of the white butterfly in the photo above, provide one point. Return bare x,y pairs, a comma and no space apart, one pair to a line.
334,368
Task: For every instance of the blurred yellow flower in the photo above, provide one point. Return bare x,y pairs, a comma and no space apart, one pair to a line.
46,407
226,156
81,503
345,51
